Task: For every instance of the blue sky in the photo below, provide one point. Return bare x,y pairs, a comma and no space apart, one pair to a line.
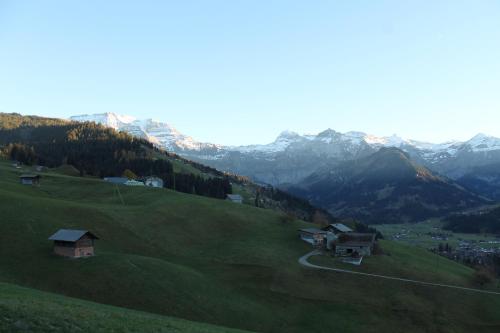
240,72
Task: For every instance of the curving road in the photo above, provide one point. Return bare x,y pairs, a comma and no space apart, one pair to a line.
303,261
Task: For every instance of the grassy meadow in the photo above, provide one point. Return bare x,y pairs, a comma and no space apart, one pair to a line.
205,260
29,310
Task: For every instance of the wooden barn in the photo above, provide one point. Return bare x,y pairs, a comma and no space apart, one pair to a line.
355,244
29,179
73,243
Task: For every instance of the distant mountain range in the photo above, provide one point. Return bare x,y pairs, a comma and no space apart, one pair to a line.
293,157
351,174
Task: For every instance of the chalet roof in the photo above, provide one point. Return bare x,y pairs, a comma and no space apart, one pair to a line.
234,197
70,235
356,239
32,176
153,178
355,244
341,227
312,231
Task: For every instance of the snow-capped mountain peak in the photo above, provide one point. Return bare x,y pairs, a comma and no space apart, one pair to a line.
108,119
288,135
159,133
483,142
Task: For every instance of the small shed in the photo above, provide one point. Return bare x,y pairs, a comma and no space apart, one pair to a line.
153,182
73,243
236,198
28,179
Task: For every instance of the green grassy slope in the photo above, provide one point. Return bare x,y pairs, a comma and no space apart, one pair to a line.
404,261
28,310
211,261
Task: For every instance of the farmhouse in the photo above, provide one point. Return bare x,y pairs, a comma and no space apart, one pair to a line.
153,182
313,236
28,179
354,244
236,198
73,243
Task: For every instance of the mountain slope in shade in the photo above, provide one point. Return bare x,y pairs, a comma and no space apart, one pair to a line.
484,179
385,187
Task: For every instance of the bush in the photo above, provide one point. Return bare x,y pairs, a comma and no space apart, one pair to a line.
482,276
287,218
129,174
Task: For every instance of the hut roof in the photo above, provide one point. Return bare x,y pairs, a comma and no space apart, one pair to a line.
356,239
313,231
70,235
341,227
29,176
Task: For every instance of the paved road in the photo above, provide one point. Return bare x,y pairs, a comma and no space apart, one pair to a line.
303,261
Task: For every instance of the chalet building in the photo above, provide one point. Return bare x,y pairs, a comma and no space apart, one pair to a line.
27,179
153,182
132,182
314,236
236,198
73,243
338,228
354,244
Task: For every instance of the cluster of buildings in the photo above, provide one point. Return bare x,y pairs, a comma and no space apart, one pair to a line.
33,179
471,254
341,241
147,181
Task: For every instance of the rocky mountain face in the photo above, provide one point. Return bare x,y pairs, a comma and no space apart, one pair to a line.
292,157
385,187
159,133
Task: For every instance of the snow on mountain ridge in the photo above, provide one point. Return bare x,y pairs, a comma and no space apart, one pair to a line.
167,136
159,133
482,142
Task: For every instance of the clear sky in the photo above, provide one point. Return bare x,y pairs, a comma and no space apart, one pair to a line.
240,72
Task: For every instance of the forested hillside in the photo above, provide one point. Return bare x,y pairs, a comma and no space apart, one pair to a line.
484,222
385,187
